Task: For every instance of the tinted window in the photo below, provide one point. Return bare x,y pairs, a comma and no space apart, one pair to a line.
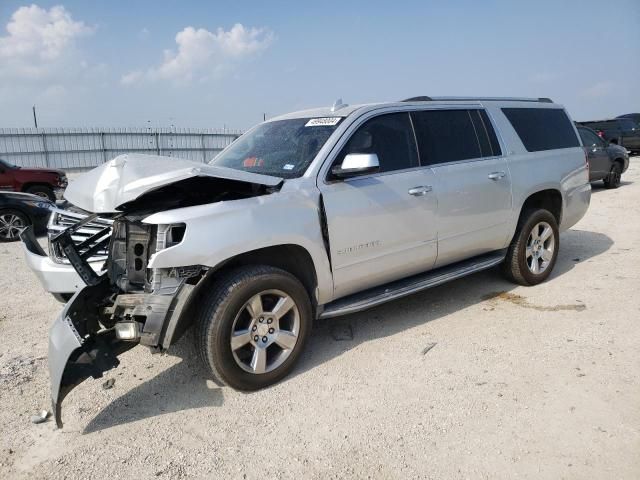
388,136
493,139
445,136
627,124
481,134
600,125
542,128
589,138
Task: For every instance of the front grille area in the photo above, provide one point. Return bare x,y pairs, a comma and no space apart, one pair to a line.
131,246
62,219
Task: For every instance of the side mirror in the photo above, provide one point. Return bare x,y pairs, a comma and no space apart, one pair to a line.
355,164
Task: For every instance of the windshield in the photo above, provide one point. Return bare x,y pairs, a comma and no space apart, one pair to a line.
7,165
282,148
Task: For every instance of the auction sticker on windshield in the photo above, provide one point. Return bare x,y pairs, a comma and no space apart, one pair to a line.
323,122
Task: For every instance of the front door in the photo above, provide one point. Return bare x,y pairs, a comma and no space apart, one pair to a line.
382,226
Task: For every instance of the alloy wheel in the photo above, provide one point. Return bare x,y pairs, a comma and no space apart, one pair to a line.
541,244
10,226
265,331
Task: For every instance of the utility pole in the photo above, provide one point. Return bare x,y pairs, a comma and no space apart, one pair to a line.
264,117
35,119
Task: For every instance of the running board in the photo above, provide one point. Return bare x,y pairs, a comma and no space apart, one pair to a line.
407,286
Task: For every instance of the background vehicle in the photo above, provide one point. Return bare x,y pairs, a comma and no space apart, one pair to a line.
607,161
621,131
313,214
38,181
633,116
19,210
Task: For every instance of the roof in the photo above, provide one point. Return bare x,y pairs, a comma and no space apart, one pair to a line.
346,110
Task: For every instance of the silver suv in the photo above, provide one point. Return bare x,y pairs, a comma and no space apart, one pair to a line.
313,214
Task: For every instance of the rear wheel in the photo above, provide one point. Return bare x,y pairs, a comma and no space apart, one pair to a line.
534,249
253,326
42,191
12,223
615,176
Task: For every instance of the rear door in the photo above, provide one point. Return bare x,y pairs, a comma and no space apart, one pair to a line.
381,226
473,180
629,134
599,163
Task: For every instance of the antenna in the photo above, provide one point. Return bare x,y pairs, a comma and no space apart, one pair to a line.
338,105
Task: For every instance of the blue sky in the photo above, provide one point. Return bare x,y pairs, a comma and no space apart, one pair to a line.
215,64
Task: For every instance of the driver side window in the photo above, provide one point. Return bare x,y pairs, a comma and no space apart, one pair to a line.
390,137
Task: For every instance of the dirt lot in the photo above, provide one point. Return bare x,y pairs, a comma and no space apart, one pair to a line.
539,382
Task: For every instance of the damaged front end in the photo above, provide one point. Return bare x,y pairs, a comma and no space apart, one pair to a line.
130,304
127,306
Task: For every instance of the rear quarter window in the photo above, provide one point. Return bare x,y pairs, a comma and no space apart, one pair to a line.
542,128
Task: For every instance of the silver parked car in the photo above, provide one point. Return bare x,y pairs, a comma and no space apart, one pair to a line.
313,214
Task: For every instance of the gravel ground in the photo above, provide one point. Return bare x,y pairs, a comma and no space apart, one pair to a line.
540,382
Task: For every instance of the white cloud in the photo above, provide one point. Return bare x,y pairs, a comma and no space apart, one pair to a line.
201,53
131,77
38,40
599,89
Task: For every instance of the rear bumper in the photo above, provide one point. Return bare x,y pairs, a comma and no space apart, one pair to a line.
577,202
54,277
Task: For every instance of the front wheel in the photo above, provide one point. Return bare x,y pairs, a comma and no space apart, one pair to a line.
534,249
42,191
253,326
12,223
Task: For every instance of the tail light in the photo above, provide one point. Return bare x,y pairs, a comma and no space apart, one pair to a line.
586,158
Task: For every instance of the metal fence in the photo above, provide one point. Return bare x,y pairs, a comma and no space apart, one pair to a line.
82,148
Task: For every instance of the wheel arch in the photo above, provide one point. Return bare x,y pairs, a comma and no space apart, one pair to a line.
289,257
550,199
25,186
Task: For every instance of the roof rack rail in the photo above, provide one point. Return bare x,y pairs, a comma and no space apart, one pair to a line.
513,99
418,99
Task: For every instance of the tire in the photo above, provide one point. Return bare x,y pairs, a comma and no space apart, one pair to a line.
525,255
42,191
11,223
614,178
230,307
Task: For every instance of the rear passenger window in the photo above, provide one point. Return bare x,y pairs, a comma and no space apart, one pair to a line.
542,128
388,136
445,136
493,139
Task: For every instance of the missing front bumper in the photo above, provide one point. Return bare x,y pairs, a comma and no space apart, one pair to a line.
80,347
76,354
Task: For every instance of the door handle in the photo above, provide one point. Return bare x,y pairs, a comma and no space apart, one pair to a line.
420,191
496,175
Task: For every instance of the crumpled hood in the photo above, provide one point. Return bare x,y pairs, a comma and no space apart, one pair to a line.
127,177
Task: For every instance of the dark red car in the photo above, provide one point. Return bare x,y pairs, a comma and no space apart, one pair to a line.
38,181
